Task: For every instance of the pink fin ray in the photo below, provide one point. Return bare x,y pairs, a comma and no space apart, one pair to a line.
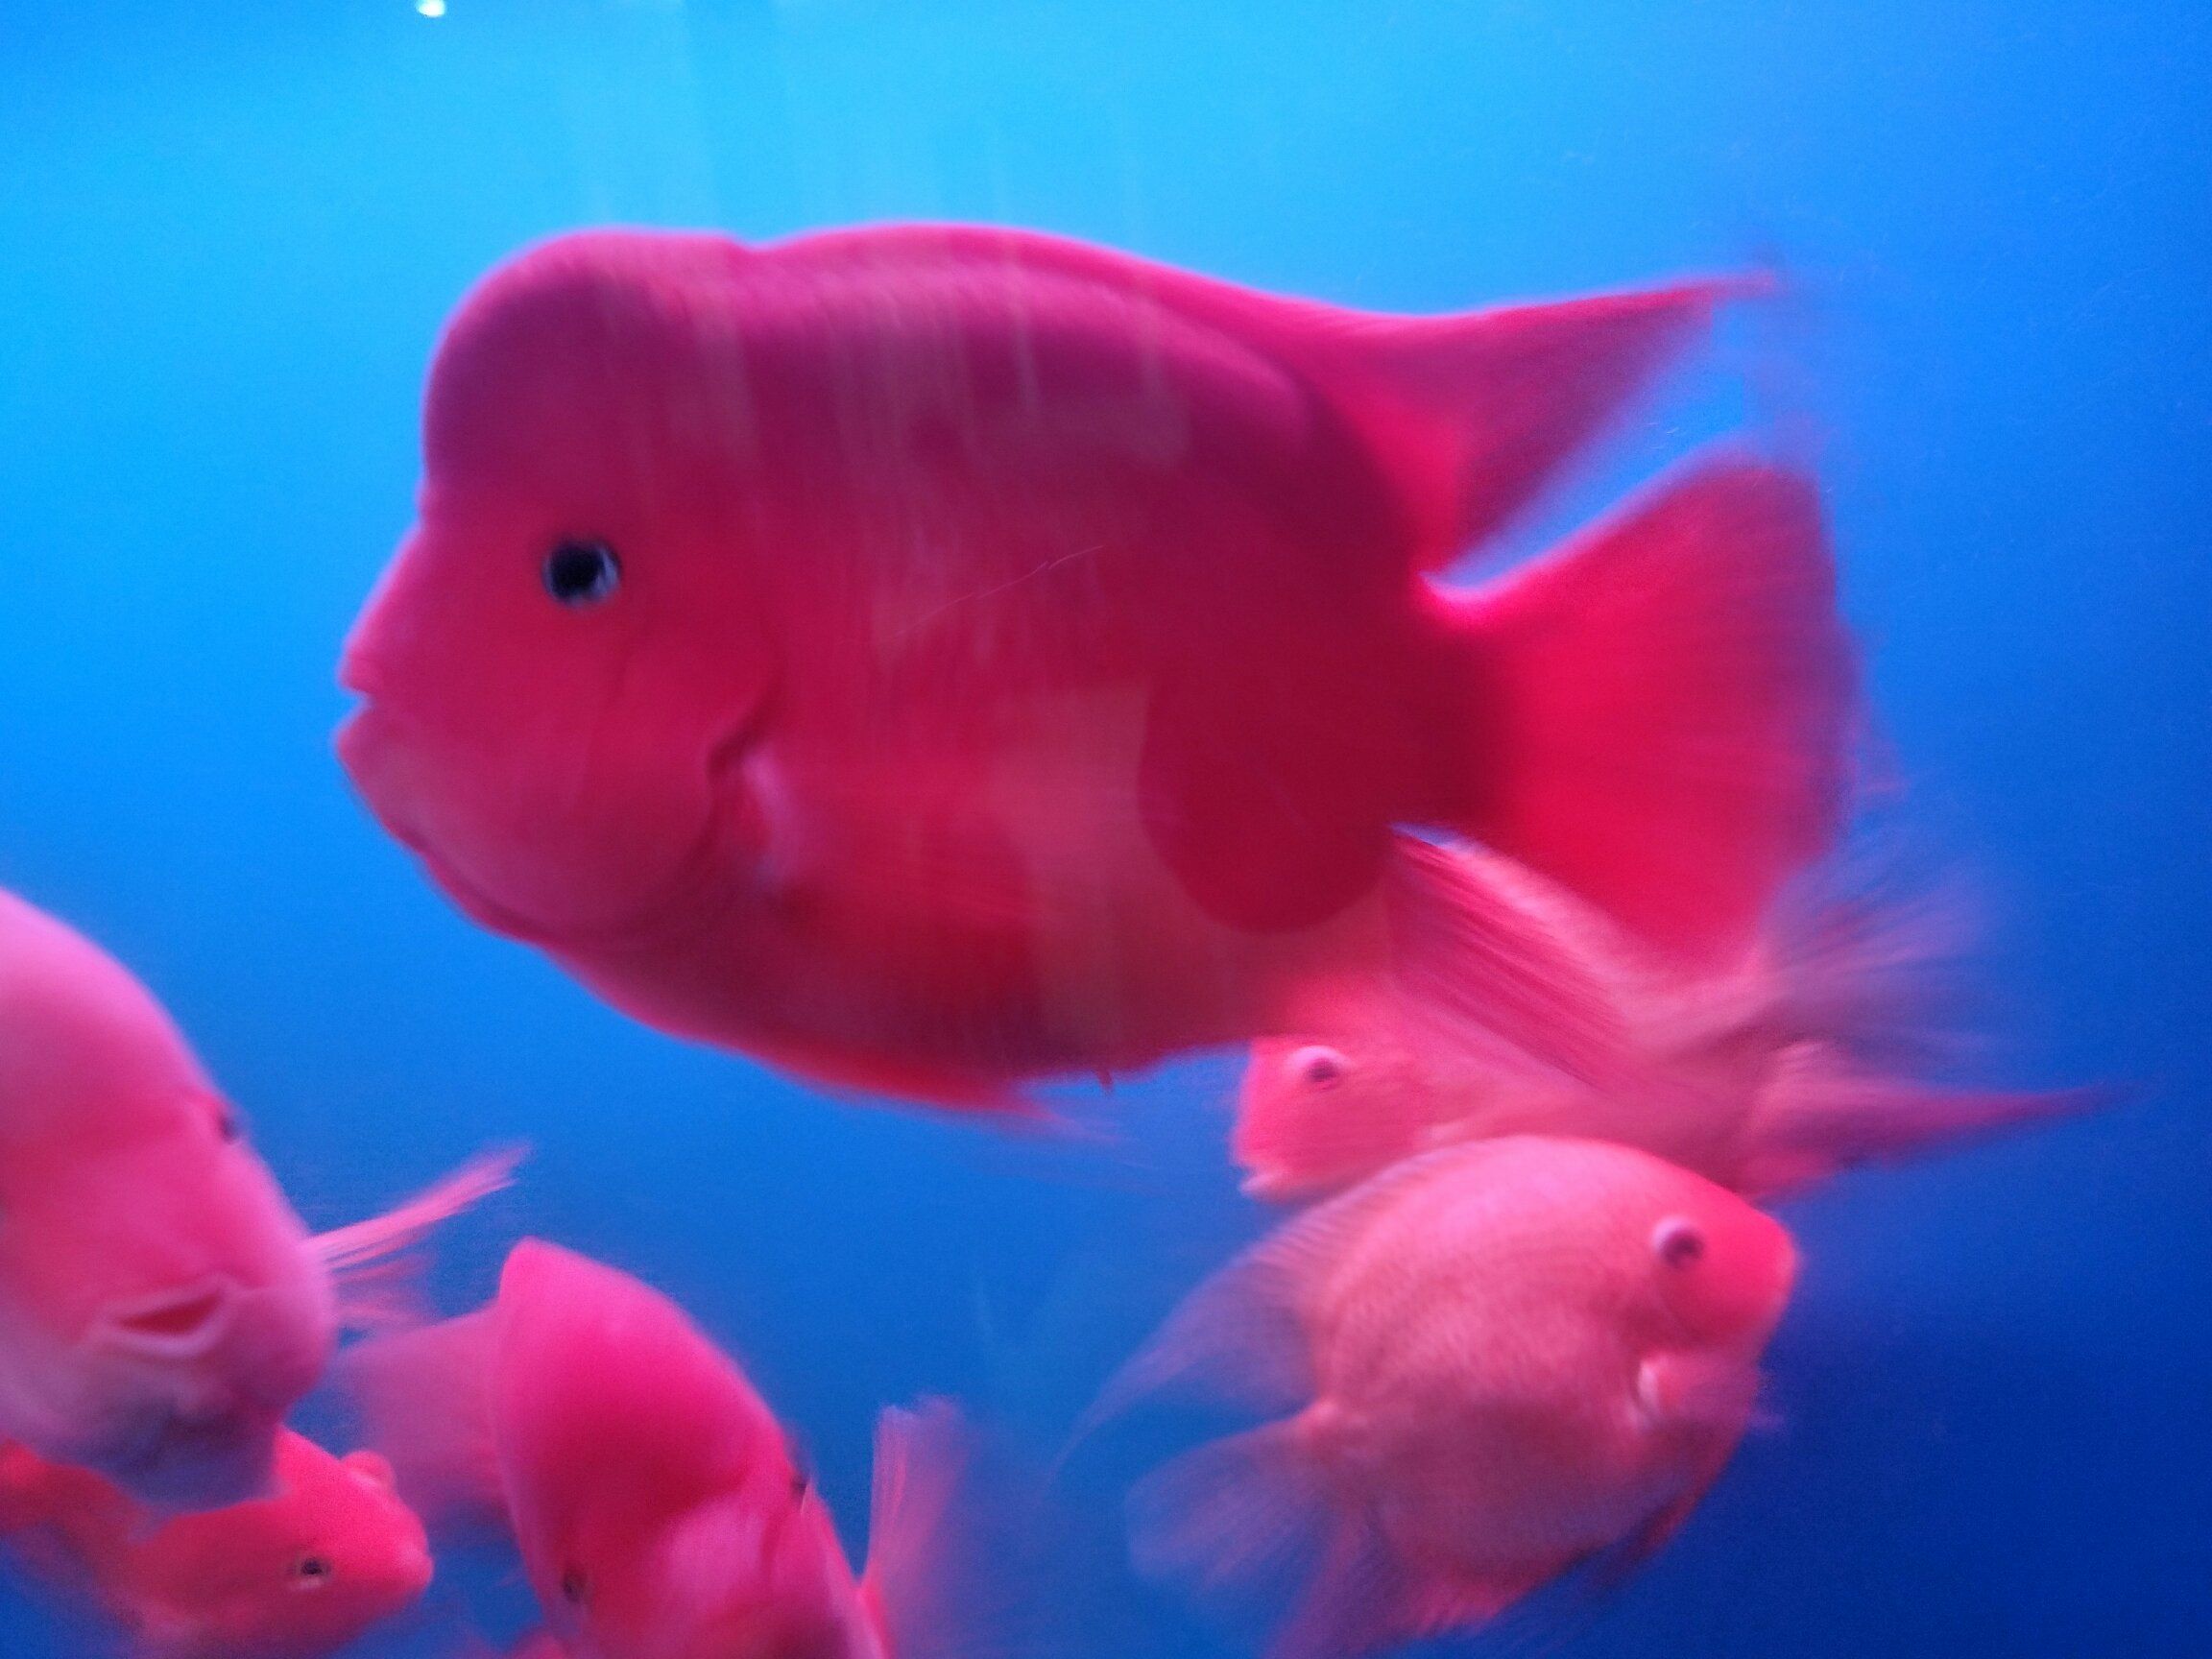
1821,1116
1476,967
359,1256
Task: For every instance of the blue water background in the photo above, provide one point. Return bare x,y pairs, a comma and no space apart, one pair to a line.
228,234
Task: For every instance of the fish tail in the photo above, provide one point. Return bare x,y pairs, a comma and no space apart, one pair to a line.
962,1556
1661,711
425,1399
1820,1113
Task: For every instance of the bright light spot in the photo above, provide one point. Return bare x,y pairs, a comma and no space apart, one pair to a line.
431,7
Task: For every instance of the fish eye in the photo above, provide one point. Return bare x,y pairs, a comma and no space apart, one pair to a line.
227,1128
1318,1066
802,1483
312,1572
1677,1242
575,1588
581,573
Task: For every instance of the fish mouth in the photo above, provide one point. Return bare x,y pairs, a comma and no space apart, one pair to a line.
698,891
185,1323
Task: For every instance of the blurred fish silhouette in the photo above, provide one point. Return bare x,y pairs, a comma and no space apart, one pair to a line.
297,1575
651,1490
162,1305
931,659
1491,1365
1775,1073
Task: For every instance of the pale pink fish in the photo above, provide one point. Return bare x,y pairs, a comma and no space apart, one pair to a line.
1485,1367
1780,1072
161,1304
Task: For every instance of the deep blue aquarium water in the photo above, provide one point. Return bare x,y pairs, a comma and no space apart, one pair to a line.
229,235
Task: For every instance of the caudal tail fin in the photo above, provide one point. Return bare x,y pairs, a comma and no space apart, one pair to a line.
961,1544
1820,1114
1663,708
425,1399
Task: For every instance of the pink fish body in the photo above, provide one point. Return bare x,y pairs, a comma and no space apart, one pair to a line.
331,1553
650,1489
1493,1364
1764,1076
162,1305
931,659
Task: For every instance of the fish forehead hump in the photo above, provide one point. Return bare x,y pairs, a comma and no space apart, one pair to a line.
912,381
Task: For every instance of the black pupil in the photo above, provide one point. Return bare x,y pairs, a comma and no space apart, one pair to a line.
314,1567
582,572
1683,1248
572,1587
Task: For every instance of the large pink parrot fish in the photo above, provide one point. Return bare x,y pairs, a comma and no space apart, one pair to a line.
161,1304
933,659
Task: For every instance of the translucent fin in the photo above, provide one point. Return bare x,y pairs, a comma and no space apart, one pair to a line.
1250,1523
964,1559
1475,969
359,1258
1819,1115
1240,1339
426,1398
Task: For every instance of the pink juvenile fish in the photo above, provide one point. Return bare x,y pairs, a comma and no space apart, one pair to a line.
1490,1364
1776,1073
931,659
297,1575
162,1305
651,1490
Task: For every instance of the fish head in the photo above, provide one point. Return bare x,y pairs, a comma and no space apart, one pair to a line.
161,1307
1315,1115
567,665
1722,1269
330,1553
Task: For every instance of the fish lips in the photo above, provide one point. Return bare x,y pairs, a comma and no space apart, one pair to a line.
198,1379
371,743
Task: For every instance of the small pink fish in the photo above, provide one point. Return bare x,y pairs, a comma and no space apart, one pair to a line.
1492,1365
162,1305
1770,1076
652,1492
933,659
297,1575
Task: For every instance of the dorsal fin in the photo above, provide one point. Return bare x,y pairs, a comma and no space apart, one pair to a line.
1475,414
